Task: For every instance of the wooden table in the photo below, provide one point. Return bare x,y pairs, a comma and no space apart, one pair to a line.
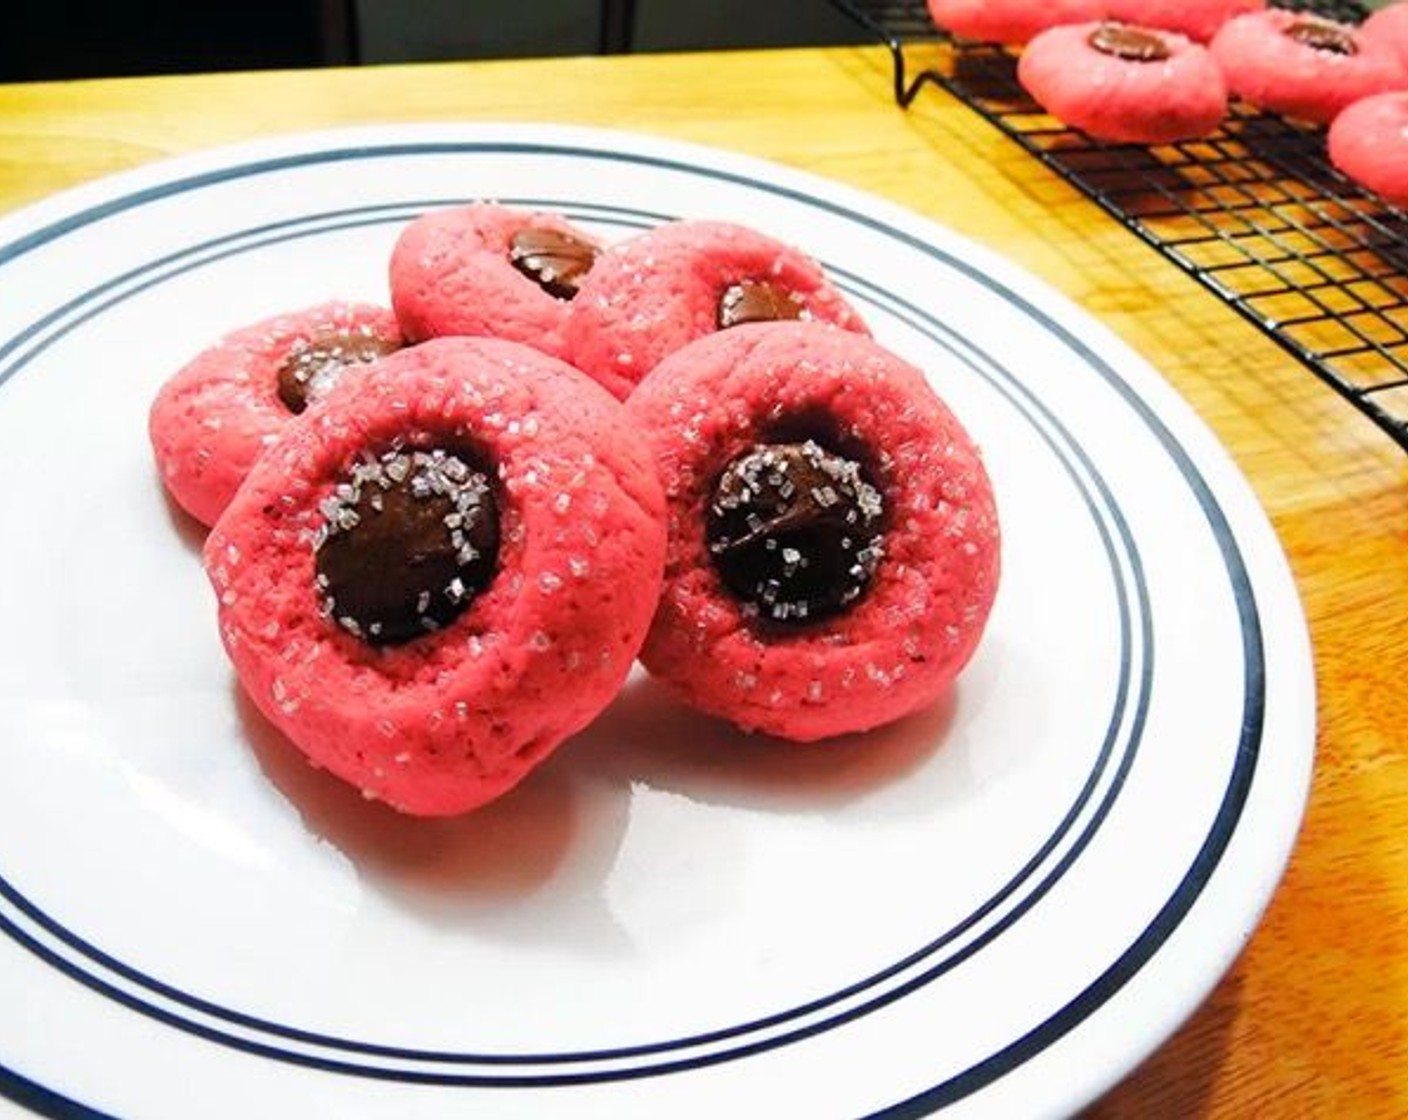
1313,1019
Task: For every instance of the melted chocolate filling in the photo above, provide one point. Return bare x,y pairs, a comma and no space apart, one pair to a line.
1322,35
555,261
314,364
409,539
757,301
1133,44
794,531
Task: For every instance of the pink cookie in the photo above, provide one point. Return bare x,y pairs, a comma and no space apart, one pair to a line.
1010,21
1125,83
1390,25
1198,19
653,293
213,419
1303,66
489,271
1369,143
833,549
442,570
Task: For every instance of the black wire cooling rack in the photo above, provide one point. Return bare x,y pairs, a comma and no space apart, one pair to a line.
1255,212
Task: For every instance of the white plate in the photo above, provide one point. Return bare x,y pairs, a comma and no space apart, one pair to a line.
999,906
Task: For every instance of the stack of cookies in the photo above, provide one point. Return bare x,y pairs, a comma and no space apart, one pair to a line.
442,533
1161,71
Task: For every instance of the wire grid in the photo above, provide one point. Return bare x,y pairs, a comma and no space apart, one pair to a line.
1255,211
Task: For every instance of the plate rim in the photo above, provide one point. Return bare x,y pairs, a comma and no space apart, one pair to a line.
72,209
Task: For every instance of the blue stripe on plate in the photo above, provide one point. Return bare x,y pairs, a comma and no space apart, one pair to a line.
45,1102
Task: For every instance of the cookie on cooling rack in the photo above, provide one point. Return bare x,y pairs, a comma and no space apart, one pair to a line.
1369,143
1390,25
216,415
491,271
1120,82
1198,19
833,539
1009,21
1304,66
653,293
442,570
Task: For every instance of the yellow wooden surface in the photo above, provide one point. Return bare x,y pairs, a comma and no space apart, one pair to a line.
1312,1021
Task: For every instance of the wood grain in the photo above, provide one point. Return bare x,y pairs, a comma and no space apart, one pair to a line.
1312,1021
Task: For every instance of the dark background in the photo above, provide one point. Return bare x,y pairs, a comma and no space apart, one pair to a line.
46,39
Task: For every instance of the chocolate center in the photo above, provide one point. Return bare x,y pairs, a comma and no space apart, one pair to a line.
794,531
1130,43
313,365
1322,35
553,260
757,301
409,539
